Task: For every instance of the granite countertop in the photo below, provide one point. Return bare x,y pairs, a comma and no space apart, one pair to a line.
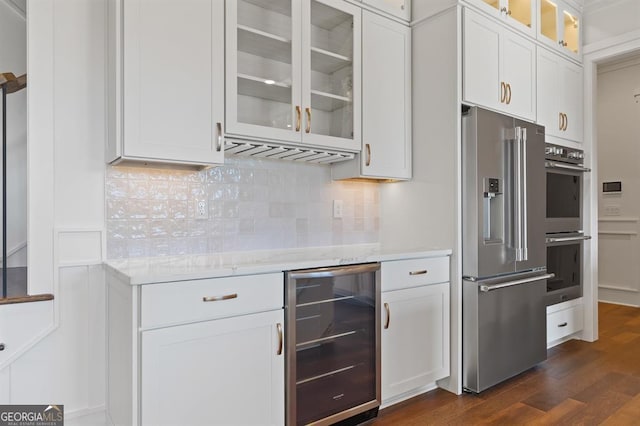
138,271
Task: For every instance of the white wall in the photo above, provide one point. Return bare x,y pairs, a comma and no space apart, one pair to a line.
68,366
618,123
13,33
611,30
425,211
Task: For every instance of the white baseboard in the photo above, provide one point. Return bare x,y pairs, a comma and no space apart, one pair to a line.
95,416
408,395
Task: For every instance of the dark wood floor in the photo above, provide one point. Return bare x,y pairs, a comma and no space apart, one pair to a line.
581,383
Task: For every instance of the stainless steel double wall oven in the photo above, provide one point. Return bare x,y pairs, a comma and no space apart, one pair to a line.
564,222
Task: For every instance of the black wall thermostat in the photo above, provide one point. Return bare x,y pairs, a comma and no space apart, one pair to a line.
612,186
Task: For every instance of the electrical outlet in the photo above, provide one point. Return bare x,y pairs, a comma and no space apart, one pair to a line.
202,209
337,208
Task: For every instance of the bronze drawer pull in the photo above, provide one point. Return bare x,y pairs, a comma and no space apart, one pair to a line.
564,324
421,272
218,298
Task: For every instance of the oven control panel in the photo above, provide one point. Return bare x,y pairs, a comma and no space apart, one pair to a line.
563,154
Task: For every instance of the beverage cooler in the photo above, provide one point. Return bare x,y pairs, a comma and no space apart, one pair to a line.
333,344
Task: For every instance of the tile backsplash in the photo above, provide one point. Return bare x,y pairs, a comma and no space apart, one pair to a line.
253,204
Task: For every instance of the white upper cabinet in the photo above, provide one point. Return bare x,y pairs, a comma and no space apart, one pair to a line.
386,102
498,67
166,75
398,8
559,27
520,14
293,72
560,96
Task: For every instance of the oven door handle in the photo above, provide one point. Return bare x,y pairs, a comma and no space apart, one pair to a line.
555,165
565,239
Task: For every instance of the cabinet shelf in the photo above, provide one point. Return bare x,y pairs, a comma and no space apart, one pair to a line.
326,17
282,7
266,45
327,101
328,62
256,87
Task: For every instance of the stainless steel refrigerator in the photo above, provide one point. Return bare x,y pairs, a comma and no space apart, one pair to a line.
503,247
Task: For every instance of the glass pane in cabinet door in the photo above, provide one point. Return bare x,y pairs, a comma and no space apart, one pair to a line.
571,32
264,63
520,10
331,72
548,19
493,3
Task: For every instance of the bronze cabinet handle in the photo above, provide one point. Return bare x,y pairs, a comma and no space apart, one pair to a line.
280,340
368,161
420,272
509,93
298,117
219,298
503,92
386,308
566,122
560,121
308,110
219,136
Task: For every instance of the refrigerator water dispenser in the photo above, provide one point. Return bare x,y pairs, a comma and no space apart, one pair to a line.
493,210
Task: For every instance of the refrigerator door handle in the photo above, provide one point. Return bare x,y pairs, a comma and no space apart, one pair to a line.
486,287
525,236
518,194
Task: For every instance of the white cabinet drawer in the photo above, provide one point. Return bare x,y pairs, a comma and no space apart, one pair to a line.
400,274
198,300
563,323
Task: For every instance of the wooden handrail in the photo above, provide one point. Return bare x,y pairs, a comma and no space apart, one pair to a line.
25,299
13,83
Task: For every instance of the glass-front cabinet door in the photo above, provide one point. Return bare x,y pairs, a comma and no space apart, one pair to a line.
331,74
560,27
293,71
520,14
263,69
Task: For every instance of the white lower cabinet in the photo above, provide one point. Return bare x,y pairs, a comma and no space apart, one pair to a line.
217,357
415,337
211,372
564,320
